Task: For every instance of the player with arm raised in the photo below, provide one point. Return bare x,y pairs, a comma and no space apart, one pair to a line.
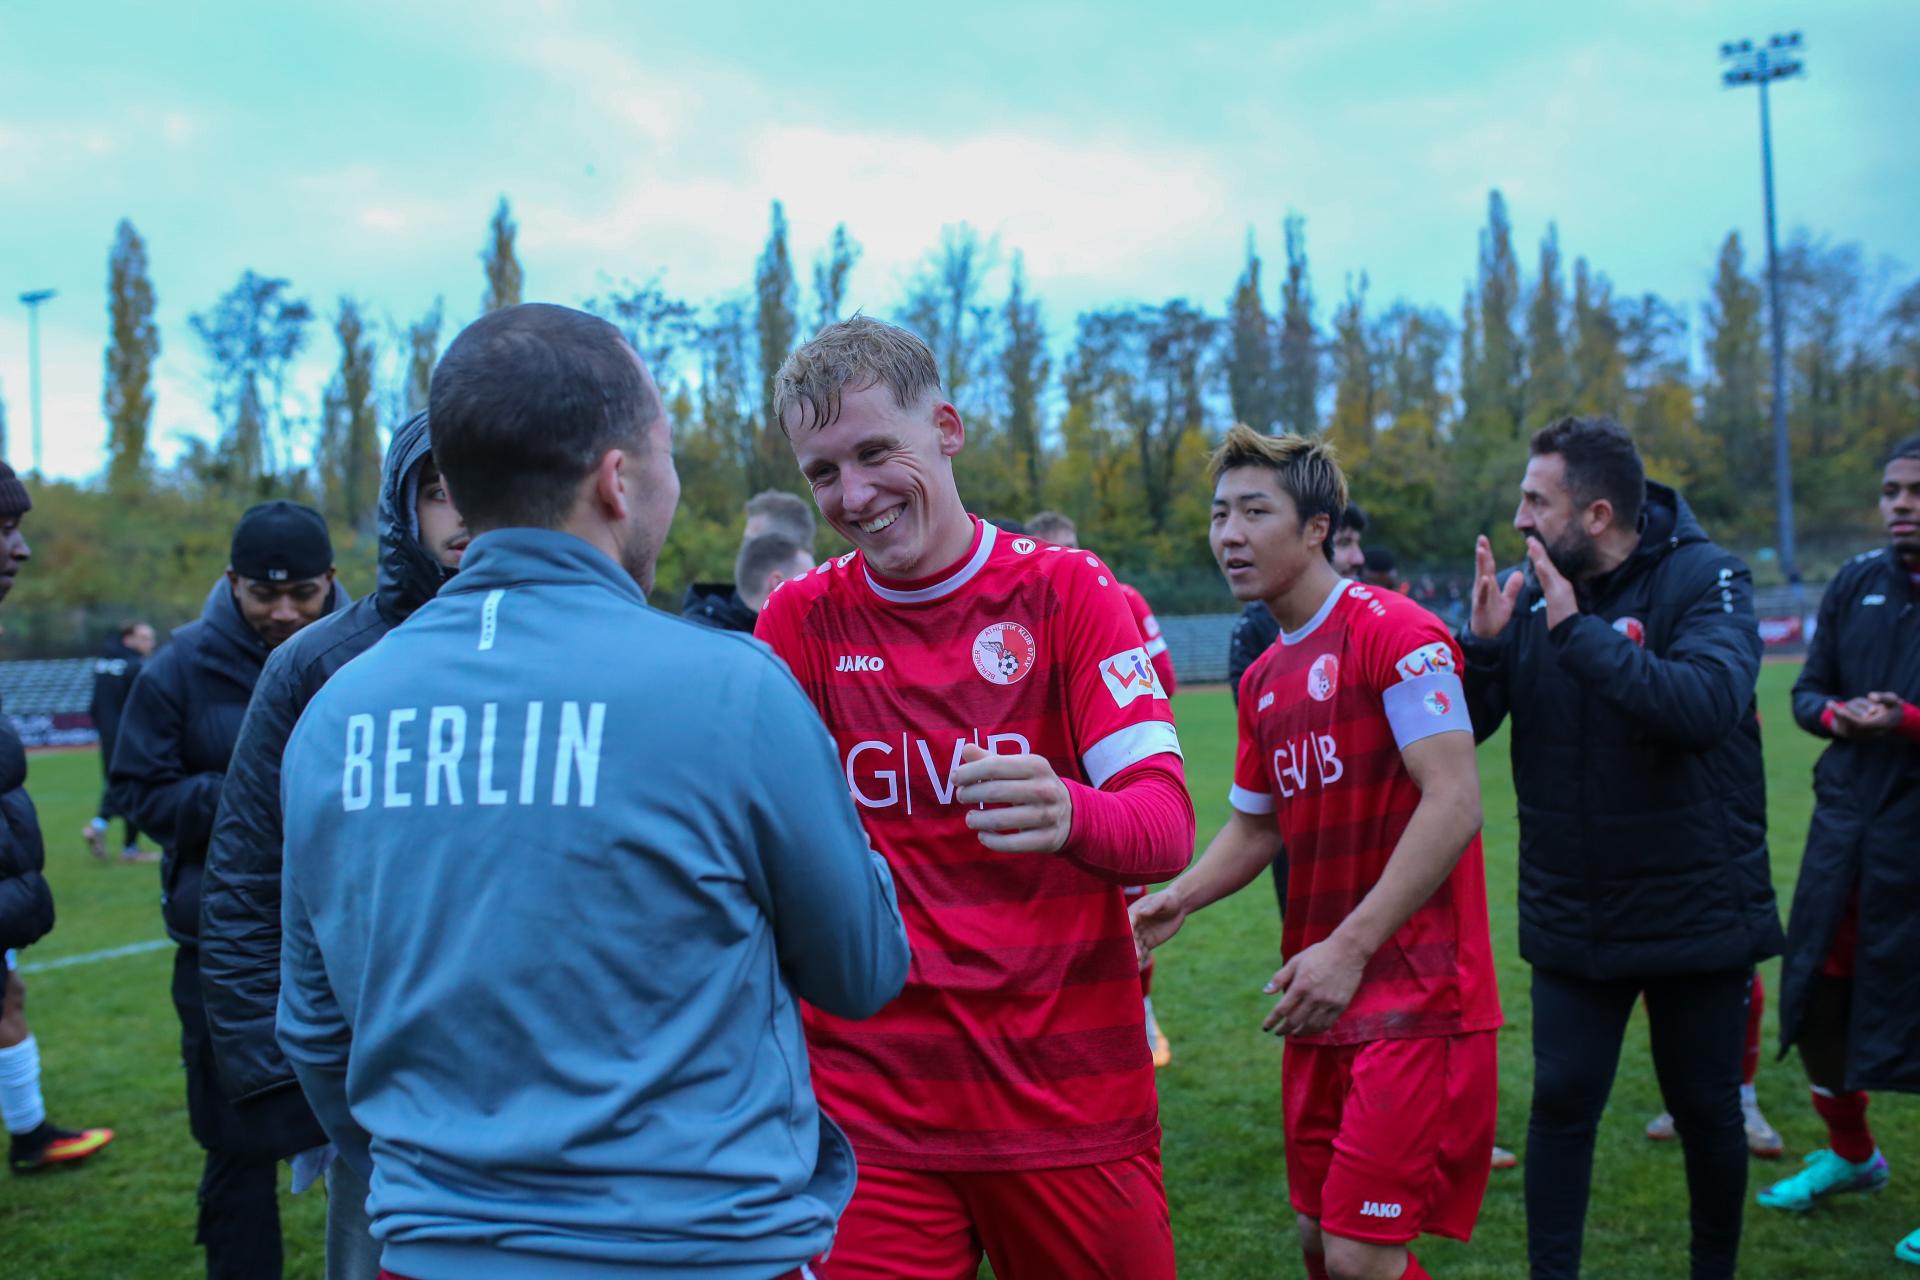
1357,754
1013,757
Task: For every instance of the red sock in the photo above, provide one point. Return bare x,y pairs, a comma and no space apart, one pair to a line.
1414,1270
1756,1010
1846,1117
1316,1265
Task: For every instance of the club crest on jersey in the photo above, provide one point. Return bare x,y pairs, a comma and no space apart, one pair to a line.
1633,629
1437,703
1130,675
1323,677
1004,652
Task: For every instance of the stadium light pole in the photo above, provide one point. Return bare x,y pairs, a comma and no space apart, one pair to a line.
33,301
1777,59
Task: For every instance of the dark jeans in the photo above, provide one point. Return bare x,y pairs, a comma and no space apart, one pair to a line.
1697,1023
239,1224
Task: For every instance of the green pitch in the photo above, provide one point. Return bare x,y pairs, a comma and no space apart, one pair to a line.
109,1043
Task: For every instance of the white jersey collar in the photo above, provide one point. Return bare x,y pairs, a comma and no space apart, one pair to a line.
946,586
1313,623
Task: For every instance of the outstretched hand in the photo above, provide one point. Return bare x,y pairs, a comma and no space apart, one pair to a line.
1493,604
1155,918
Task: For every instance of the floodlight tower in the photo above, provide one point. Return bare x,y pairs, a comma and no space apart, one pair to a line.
33,301
1777,59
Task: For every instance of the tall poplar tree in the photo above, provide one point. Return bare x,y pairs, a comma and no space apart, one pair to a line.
1299,374
133,345
504,277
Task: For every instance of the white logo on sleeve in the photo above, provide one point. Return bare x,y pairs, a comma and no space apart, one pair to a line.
1129,675
1266,700
1425,660
1379,1209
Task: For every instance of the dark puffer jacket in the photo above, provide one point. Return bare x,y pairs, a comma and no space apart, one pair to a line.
718,605
240,899
1866,820
176,736
1636,761
26,903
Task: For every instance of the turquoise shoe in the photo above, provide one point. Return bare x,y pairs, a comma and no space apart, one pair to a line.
1908,1250
1826,1175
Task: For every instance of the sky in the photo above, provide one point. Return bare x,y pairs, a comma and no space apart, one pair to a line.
1126,150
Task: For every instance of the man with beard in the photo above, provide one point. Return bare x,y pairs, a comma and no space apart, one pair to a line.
421,541
1627,654
176,738
1846,987
113,675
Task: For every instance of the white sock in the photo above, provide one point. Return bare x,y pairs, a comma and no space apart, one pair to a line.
1747,1096
1152,1026
20,1103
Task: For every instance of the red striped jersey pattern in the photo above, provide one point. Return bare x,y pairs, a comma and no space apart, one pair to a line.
1324,715
1150,629
1018,1040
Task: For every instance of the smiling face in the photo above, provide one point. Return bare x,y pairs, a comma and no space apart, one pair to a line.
1257,536
883,478
1900,507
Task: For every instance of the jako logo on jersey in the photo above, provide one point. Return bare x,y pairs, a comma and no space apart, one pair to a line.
1379,1209
1323,677
924,768
860,662
1266,700
1129,675
1291,761
1004,652
1436,703
1374,607
1632,629
1425,660
1024,546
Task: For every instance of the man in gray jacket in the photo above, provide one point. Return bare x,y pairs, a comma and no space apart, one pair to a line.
559,869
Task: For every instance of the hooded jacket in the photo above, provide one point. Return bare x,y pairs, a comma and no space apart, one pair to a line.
718,605
240,896
1636,761
559,870
114,672
26,903
1866,813
176,737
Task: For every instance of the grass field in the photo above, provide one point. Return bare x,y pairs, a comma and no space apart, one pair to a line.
109,1043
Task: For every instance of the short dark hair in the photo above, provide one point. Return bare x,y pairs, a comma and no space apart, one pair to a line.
788,512
1306,470
762,554
1601,462
524,402
1052,525
1380,560
1352,518
128,628
1908,448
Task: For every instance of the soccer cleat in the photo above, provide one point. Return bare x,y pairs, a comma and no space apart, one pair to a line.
96,841
1503,1158
1826,1175
1908,1250
1157,1042
1762,1138
1661,1129
47,1147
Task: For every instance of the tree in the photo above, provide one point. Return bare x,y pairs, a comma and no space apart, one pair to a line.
1356,375
1250,374
1299,376
1549,384
252,336
1497,390
133,345
503,266
1730,401
830,276
658,325
776,298
1413,345
942,306
1599,367
423,350
1024,367
350,458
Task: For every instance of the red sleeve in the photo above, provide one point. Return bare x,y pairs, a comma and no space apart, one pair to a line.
1909,727
1163,667
1252,789
1156,644
1136,829
1116,705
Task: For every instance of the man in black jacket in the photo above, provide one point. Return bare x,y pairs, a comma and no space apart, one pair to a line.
765,561
175,740
1847,994
1627,655
421,542
26,913
114,672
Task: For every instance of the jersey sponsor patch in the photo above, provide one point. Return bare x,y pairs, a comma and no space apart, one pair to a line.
1426,660
1129,675
1323,677
1633,629
1004,652
1421,707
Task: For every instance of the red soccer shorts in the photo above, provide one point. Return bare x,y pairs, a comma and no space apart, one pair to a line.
1107,1220
1391,1138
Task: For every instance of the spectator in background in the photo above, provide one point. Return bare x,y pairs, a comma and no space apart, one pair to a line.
1380,569
1627,656
1847,995
26,913
777,511
113,676
422,539
175,741
765,561
724,604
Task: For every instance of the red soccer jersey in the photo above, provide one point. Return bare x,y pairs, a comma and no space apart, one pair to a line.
1324,715
1150,629
1017,1042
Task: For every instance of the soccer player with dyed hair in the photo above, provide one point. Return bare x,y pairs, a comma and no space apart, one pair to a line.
1356,752
1012,754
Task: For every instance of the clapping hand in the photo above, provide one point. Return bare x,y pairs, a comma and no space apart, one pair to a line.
1492,604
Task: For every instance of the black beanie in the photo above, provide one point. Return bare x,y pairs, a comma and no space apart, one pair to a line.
281,541
14,501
